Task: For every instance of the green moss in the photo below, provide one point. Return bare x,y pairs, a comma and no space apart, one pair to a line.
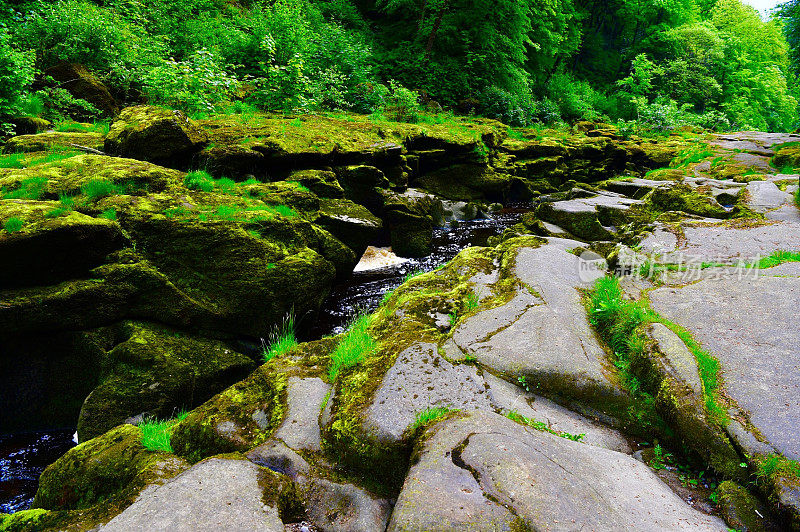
109,214
13,225
776,466
541,426
31,188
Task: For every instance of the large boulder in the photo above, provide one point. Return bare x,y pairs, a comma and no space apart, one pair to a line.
351,223
59,140
411,218
154,372
82,84
154,134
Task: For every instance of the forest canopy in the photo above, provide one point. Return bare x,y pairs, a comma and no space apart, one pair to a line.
660,63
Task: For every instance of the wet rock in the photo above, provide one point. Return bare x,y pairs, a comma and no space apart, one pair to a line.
157,371
467,183
418,380
351,223
111,468
742,510
589,218
277,457
411,218
213,495
300,429
464,480
339,507
154,134
363,185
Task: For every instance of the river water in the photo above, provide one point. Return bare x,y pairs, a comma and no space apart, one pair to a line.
23,457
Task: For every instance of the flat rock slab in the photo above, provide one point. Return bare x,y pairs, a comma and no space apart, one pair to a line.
722,243
765,196
300,429
545,337
511,398
464,480
680,358
750,326
213,495
418,380
343,507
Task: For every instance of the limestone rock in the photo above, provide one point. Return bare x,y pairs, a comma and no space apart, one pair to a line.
216,494
300,429
335,507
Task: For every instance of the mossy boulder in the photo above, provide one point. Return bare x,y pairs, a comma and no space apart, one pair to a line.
81,83
467,182
53,140
49,249
684,198
351,223
363,185
282,193
156,371
104,471
411,218
67,177
323,183
787,157
742,510
29,125
235,420
154,134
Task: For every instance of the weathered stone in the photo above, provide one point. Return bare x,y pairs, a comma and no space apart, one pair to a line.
277,457
590,218
53,139
680,359
300,429
216,494
154,134
764,196
742,510
81,83
418,380
463,479
334,507
351,223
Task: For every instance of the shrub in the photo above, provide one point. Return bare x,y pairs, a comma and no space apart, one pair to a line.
13,224
400,104
59,105
516,110
354,346
16,74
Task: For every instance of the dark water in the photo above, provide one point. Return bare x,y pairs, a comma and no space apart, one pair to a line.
365,290
23,457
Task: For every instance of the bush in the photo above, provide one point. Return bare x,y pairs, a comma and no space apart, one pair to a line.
576,100
516,110
400,104
16,74
196,84
59,105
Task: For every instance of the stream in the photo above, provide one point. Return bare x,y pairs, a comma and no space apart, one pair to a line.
23,457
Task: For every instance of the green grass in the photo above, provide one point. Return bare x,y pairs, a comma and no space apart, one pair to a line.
99,188
199,180
67,204
281,340
13,225
797,198
12,160
777,466
430,415
691,155
412,274
513,415
101,127
354,346
109,214
776,259
471,301
156,434
31,188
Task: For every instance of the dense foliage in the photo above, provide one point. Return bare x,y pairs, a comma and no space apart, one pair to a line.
657,64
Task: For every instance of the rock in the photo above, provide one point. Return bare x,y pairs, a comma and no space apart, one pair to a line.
321,182
633,187
464,480
235,420
158,371
517,340
216,494
49,249
739,321
82,84
418,380
588,218
765,196
682,197
277,457
29,125
743,511
338,507
411,218
678,355
111,468
362,185
154,134
511,398
300,429
466,183
351,223
51,140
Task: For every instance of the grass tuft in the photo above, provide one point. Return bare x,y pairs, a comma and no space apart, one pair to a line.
281,340
98,188
156,434
430,415
13,224
12,160
199,180
776,259
354,346
109,214
513,415
31,188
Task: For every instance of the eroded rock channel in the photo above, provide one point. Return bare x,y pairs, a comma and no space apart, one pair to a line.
515,383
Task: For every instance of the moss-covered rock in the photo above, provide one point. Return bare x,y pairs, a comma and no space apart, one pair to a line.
467,183
684,198
323,183
81,83
53,140
29,125
155,371
351,223
48,249
742,510
67,177
411,218
281,193
363,185
154,134
107,470
787,156
234,420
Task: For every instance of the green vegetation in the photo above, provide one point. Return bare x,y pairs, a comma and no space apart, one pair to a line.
540,425
199,180
776,259
13,225
281,340
31,188
99,188
71,126
156,434
429,416
777,466
354,346
109,214
646,66
67,203
12,160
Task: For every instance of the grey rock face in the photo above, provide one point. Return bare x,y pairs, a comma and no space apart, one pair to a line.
343,507
464,480
678,355
300,429
213,495
421,379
